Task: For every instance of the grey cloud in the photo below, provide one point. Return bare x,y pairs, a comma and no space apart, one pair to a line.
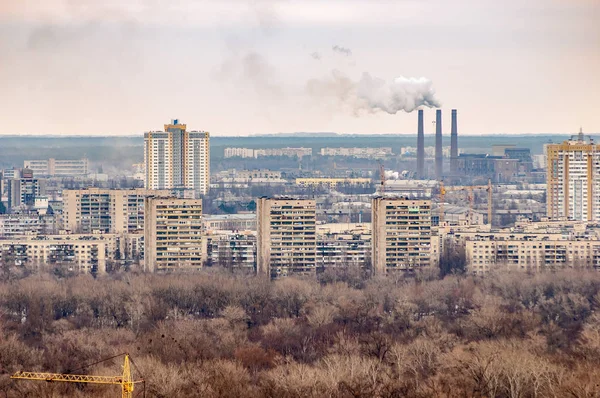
316,56
342,50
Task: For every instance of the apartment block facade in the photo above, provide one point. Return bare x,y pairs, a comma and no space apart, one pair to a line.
531,254
177,158
401,234
106,210
58,168
573,179
173,235
68,253
286,236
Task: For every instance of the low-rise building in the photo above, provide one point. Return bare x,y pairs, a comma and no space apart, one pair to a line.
365,153
58,168
331,182
533,254
230,222
257,153
64,252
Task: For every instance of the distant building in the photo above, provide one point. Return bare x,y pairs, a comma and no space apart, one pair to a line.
286,236
401,234
366,153
177,158
58,168
106,210
245,178
331,182
173,236
239,153
344,246
257,153
230,222
233,250
521,154
573,179
24,190
498,168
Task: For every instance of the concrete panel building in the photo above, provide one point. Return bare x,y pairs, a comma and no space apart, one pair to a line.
58,168
65,252
573,179
286,236
106,210
173,236
233,250
177,158
531,254
401,234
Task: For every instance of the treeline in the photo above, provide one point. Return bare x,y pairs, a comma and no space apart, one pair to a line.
213,334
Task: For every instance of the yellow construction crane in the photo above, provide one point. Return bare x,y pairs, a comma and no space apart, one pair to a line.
125,380
469,189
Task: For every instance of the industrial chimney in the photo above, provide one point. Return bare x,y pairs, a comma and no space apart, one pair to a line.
420,147
439,159
454,144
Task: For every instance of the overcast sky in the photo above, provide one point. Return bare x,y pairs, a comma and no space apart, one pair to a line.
237,67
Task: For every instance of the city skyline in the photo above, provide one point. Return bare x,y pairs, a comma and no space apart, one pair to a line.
82,68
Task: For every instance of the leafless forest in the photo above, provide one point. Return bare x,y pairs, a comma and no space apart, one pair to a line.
217,335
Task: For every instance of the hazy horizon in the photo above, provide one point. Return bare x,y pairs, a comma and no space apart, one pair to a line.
258,67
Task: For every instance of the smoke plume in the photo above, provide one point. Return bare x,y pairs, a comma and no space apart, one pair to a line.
391,175
374,94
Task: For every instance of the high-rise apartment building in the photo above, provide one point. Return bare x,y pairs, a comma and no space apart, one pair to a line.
24,190
173,236
177,158
287,242
106,210
573,179
401,234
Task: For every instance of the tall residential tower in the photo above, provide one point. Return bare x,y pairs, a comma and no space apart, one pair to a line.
177,158
573,179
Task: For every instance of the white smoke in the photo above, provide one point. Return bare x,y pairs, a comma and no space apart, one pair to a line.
391,175
375,94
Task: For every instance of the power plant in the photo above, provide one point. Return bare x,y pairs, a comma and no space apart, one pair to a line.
439,152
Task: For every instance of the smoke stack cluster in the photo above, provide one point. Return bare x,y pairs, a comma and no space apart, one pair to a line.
439,156
454,143
420,147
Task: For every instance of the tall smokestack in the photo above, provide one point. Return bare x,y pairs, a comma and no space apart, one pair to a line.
420,147
454,143
439,168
